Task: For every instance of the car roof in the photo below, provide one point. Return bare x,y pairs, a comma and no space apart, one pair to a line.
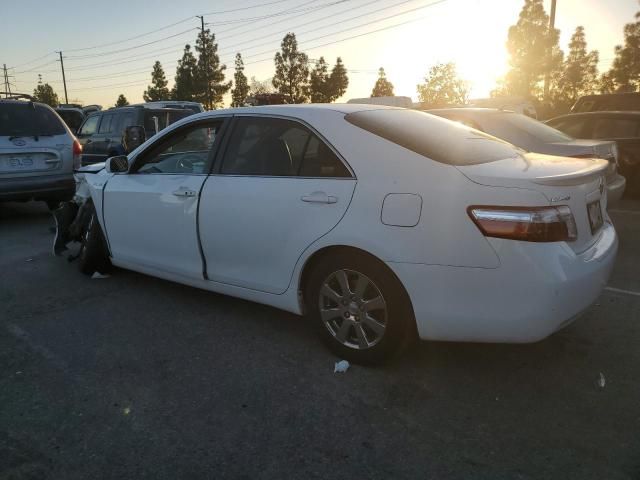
345,108
600,113
22,102
469,111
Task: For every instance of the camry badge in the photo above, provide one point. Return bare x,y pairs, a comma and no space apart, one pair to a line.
18,143
561,199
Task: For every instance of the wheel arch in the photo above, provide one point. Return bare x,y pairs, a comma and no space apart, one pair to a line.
316,257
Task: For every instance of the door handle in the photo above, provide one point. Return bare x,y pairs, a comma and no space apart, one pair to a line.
107,140
319,197
52,160
183,192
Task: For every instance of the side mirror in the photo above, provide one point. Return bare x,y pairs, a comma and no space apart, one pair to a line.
133,137
119,164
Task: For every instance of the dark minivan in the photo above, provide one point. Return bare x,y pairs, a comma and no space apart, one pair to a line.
101,133
608,102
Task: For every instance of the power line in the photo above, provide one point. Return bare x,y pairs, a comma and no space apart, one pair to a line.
112,52
31,61
220,12
389,27
363,25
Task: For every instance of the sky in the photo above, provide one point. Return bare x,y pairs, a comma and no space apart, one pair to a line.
406,37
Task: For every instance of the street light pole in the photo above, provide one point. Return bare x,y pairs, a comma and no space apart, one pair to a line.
206,61
64,80
552,22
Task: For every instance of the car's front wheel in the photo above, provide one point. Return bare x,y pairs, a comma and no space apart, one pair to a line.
94,256
359,308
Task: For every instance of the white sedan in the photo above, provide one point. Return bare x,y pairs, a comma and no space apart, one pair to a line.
378,223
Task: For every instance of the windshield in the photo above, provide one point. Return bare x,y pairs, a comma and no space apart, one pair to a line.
436,138
516,123
25,119
73,118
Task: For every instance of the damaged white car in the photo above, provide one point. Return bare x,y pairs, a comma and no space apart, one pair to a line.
379,223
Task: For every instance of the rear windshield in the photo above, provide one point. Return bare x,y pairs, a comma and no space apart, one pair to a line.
163,118
436,138
510,126
27,119
72,118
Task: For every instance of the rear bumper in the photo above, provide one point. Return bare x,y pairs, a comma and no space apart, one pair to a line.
538,289
615,189
43,187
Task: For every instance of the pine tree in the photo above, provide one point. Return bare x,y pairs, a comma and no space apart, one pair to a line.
211,86
579,75
241,90
44,93
442,87
292,71
625,71
529,43
184,87
338,81
318,82
122,101
383,87
158,89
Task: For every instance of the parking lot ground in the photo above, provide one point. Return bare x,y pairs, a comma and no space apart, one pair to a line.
131,377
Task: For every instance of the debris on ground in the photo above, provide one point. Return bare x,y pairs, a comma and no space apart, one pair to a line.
29,260
341,366
601,380
98,275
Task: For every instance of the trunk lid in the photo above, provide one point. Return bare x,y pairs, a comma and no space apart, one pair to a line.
26,156
575,182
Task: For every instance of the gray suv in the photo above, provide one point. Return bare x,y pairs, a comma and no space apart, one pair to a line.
38,153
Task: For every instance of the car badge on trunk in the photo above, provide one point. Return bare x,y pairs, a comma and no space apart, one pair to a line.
18,143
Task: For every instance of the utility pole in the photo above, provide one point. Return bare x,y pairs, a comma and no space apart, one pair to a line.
552,22
206,61
7,85
64,80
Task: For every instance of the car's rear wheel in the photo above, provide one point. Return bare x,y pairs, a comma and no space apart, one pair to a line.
93,256
359,308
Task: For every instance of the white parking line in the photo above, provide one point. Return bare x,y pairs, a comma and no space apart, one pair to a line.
620,290
630,212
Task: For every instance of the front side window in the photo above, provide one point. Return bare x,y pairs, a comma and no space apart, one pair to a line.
90,126
263,146
186,151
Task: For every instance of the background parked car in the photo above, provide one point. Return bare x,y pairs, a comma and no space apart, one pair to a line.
535,136
101,133
390,101
513,104
609,102
623,127
72,116
38,153
194,106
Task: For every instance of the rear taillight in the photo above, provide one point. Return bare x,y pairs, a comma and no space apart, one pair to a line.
528,224
77,152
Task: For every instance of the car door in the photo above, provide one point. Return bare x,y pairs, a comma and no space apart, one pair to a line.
150,212
278,188
85,136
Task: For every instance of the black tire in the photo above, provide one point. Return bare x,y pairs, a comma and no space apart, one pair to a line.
398,317
93,256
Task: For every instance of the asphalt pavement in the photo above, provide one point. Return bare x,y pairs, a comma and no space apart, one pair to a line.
131,377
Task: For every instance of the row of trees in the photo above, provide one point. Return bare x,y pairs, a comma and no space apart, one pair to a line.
535,54
202,79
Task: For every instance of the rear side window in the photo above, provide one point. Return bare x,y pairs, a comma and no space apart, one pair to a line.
90,126
571,126
72,118
277,147
434,137
615,128
28,119
107,123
